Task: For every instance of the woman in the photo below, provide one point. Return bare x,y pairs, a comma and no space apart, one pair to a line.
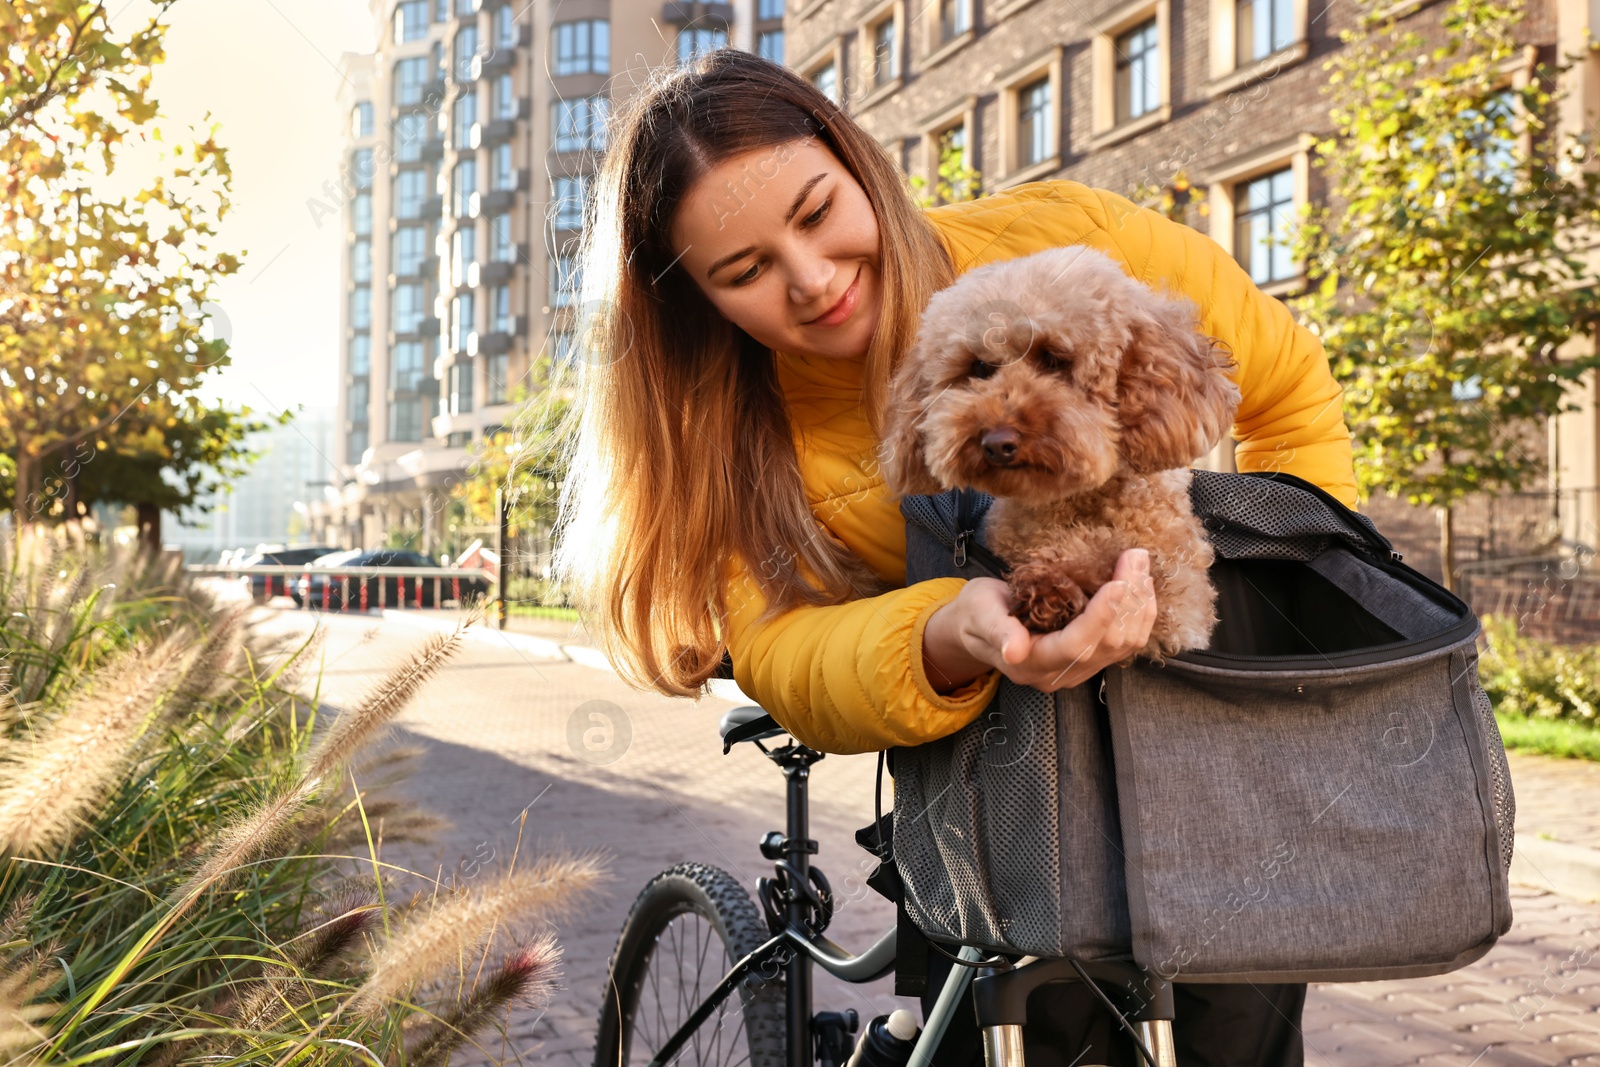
755,267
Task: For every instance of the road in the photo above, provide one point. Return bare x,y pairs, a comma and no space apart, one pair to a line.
504,731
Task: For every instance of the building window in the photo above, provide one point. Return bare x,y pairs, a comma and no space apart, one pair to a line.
361,354
1263,226
410,21
499,368
361,120
463,116
1034,123
769,9
583,47
410,190
505,95
949,146
463,50
405,413
460,387
697,40
406,313
1137,84
410,80
361,214
580,123
361,261
571,196
505,27
955,18
564,280
504,174
361,167
410,249
500,310
562,346
463,253
501,249
462,321
361,309
1262,27
409,133
466,7
441,11
769,45
357,399
826,79
466,184
885,52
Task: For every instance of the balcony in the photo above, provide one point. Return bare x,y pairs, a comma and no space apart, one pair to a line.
497,60
497,341
432,207
427,326
696,12
433,149
503,198
499,271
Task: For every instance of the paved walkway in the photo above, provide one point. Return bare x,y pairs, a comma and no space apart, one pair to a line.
503,729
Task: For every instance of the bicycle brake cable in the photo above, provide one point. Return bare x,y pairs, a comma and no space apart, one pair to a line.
1138,1042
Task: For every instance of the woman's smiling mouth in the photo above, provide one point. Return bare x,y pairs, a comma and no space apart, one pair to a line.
843,309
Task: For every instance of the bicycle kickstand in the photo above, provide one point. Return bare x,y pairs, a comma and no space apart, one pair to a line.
1000,995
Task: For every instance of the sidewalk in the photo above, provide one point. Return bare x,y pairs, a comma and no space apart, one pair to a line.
1558,824
1558,800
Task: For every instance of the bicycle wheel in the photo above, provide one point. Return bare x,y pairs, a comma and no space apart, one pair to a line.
683,933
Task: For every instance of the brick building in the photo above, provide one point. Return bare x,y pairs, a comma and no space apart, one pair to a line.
1120,94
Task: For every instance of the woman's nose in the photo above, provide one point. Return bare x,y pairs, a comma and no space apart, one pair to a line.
809,281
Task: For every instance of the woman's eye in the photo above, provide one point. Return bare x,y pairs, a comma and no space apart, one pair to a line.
748,276
817,215
980,369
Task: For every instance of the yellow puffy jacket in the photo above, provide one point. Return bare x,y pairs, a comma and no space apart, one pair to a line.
849,677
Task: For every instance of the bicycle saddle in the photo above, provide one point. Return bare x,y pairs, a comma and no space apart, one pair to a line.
749,723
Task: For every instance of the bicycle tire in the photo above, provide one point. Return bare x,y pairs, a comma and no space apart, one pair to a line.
634,1022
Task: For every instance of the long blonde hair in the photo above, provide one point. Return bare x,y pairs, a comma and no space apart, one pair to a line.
681,451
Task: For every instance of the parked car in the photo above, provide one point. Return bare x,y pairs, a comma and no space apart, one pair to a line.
264,587
328,590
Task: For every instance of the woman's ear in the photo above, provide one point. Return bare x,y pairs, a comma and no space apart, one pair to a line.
901,456
1175,400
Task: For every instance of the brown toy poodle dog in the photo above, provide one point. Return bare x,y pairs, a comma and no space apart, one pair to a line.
1078,398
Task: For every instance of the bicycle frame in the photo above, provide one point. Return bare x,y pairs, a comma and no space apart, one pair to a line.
1000,990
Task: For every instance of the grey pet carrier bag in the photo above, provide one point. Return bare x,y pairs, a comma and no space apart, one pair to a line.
1320,795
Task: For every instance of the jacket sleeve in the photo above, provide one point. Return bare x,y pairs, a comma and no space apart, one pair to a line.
1291,415
848,678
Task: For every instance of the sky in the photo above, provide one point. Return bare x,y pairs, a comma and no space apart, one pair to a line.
267,70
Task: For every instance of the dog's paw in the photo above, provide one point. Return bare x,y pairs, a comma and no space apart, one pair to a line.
1043,598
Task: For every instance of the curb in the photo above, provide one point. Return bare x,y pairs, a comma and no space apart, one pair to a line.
583,655
1556,867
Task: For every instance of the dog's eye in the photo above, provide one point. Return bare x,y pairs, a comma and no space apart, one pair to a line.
981,369
1052,360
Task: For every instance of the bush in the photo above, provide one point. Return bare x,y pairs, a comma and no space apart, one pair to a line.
1538,679
173,814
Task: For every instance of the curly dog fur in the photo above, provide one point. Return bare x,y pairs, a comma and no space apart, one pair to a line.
1077,397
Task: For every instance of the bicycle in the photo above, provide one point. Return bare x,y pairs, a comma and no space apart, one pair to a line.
767,955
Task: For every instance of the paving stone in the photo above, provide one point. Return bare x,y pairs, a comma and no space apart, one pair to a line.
496,725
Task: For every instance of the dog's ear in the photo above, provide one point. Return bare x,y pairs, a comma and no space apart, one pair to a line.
901,455
1174,398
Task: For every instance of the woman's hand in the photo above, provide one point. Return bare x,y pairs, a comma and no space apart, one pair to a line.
976,631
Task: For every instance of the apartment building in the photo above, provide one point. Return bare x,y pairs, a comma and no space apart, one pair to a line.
1123,94
475,130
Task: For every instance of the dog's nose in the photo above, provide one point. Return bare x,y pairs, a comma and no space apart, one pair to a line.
1000,446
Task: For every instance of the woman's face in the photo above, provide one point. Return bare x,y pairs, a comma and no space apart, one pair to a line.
784,243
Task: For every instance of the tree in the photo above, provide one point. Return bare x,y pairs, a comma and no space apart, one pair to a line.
104,299
955,181
1448,272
